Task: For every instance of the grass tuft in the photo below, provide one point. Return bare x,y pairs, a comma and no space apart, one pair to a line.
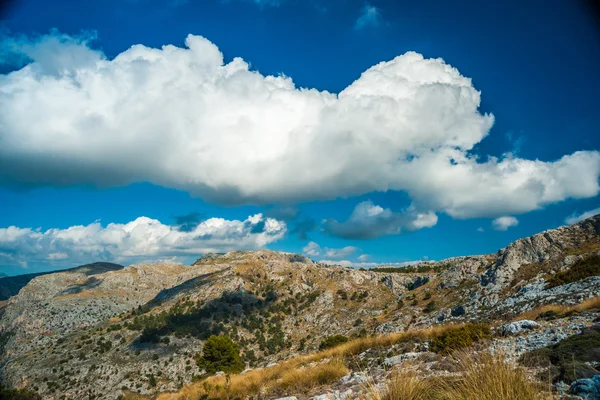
480,377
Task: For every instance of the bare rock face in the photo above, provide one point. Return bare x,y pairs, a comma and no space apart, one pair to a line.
546,247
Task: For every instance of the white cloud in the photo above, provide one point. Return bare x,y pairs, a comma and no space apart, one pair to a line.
340,253
363,257
313,249
370,221
139,239
181,118
574,218
369,16
503,223
480,229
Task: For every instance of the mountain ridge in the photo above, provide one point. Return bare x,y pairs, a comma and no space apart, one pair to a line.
109,331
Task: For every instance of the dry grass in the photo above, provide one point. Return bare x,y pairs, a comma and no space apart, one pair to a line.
490,377
306,379
403,385
481,377
310,371
266,382
588,304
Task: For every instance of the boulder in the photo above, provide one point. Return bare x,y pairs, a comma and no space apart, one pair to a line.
516,327
588,388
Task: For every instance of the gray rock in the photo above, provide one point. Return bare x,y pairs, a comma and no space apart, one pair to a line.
588,388
517,327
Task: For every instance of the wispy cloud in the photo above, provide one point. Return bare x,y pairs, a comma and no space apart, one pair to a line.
370,16
575,218
313,249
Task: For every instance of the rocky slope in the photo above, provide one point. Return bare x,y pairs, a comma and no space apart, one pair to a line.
99,333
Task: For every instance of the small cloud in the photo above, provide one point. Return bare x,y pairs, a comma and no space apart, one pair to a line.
340,253
480,229
503,223
300,225
517,141
369,221
574,218
363,257
313,249
57,256
370,16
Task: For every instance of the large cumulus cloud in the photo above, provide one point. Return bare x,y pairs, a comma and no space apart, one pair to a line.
141,239
182,118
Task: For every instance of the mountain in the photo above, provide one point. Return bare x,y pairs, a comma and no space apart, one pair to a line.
109,331
10,285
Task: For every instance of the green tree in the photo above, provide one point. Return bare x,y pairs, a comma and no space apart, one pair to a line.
220,353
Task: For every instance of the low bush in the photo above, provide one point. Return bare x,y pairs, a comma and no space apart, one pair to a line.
570,358
332,341
581,269
18,394
459,338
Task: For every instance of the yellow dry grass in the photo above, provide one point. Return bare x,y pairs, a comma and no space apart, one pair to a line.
588,304
311,371
403,385
480,377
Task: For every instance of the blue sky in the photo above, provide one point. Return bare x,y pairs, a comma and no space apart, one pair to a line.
535,66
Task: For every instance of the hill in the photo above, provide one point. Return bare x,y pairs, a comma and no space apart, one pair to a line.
11,285
141,329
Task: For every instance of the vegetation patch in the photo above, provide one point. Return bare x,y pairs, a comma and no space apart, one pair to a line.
556,311
568,359
459,338
333,341
481,377
220,353
581,269
412,269
322,368
18,394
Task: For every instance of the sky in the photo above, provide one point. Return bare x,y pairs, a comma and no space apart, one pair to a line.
358,133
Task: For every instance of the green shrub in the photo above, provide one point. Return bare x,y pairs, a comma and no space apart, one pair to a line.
220,353
332,341
18,394
570,358
581,269
429,307
459,338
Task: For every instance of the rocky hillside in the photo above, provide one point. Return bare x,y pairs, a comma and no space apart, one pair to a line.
105,333
11,285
